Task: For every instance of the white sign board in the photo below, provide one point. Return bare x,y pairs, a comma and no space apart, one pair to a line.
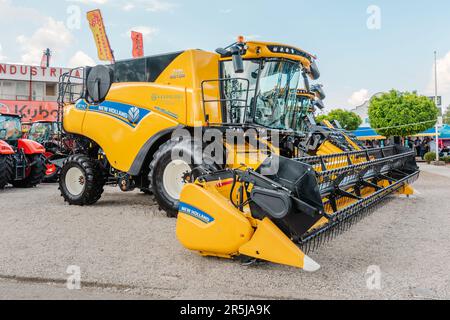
27,73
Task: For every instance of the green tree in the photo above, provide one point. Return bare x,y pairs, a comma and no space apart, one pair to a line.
402,114
348,120
447,116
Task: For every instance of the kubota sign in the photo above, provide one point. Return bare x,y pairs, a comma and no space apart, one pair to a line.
31,110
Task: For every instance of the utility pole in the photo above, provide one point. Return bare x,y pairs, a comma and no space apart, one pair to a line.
436,101
48,54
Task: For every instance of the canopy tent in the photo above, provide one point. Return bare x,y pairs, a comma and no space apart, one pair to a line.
444,133
427,133
365,133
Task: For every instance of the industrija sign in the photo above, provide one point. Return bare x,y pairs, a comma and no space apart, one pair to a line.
35,73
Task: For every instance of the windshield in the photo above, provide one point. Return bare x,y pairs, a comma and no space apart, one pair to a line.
277,93
40,132
296,115
10,128
269,89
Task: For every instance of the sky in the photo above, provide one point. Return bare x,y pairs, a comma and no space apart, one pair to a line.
363,47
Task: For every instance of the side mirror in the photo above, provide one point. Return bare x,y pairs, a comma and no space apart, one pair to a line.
318,90
319,104
238,62
314,72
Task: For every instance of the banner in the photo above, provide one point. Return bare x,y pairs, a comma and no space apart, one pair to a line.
138,44
31,110
101,39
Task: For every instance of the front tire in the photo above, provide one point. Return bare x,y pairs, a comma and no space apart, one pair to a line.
81,181
36,172
6,170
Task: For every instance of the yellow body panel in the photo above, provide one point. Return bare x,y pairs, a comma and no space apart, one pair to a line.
221,237
114,138
175,98
271,244
74,119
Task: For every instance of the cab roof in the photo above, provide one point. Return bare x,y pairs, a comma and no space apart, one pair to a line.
261,49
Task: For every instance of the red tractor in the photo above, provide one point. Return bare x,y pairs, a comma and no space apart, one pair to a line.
48,133
22,161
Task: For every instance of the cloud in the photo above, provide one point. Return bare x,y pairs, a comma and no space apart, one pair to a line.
53,34
226,11
81,59
359,97
158,5
2,57
147,32
252,36
128,6
10,13
90,1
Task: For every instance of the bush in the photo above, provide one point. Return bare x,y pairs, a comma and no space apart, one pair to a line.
430,156
446,159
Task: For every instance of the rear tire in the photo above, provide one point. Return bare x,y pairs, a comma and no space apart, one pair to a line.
36,175
6,170
81,181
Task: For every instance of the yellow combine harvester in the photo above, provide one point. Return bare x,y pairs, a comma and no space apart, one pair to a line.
227,142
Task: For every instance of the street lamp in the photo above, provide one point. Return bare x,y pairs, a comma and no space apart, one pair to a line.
436,101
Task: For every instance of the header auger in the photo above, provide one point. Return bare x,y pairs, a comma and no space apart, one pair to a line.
227,142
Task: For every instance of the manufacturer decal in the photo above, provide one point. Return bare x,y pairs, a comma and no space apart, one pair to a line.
81,105
167,112
289,50
194,212
131,115
178,74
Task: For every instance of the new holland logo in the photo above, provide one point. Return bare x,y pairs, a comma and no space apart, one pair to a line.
133,115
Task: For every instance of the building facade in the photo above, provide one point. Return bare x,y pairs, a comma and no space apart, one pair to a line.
30,91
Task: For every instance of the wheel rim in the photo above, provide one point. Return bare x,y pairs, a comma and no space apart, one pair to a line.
75,181
173,177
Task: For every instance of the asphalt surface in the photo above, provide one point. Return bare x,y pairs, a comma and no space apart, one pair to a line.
127,249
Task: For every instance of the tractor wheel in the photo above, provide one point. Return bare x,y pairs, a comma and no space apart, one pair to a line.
34,173
81,181
167,175
6,170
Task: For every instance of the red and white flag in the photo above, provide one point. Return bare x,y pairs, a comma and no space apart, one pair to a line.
138,44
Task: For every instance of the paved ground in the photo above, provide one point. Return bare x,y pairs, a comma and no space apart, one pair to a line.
126,249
